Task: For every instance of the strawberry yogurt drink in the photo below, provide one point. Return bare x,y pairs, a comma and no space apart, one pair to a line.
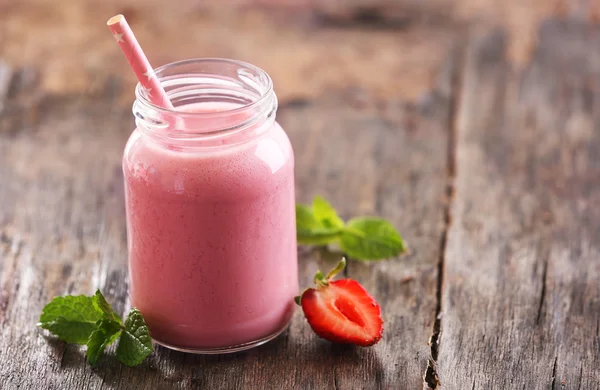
210,208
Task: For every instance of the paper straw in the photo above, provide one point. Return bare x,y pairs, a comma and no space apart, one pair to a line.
138,61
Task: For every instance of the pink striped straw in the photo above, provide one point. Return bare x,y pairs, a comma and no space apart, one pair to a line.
138,61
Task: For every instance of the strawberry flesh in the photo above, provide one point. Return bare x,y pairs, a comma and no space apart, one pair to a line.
343,312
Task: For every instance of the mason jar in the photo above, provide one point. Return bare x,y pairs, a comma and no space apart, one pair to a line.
209,189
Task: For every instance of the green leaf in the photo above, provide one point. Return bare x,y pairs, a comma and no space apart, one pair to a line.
326,214
361,238
371,239
71,318
106,333
108,311
305,219
318,237
311,231
135,344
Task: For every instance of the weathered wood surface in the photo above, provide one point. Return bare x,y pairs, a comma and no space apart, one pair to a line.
504,273
521,281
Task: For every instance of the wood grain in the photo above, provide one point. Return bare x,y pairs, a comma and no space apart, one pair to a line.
307,46
305,54
521,298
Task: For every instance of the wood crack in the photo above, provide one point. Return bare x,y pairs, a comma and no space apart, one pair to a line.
62,356
554,373
431,378
543,293
335,381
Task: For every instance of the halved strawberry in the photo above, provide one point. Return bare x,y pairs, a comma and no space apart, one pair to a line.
342,311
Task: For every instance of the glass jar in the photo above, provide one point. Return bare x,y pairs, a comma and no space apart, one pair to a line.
209,189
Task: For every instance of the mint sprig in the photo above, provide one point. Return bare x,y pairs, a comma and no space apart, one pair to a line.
90,320
106,333
312,230
363,238
107,310
135,343
71,318
371,238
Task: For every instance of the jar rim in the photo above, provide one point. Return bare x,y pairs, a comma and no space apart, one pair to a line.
265,94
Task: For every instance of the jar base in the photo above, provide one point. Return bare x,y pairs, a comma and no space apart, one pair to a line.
225,350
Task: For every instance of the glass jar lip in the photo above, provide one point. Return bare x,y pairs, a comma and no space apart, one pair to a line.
266,94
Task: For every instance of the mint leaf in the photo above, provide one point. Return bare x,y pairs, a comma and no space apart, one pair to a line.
369,238
326,214
312,231
106,333
362,238
305,219
92,321
135,344
71,318
101,304
318,237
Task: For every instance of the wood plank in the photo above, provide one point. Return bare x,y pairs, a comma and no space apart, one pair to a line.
306,57
307,46
407,183
63,232
521,298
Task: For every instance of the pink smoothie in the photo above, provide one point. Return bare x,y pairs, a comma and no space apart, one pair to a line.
211,236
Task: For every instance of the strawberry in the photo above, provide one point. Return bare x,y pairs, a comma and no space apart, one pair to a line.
342,311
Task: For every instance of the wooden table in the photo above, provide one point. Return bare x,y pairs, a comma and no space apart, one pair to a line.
473,126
